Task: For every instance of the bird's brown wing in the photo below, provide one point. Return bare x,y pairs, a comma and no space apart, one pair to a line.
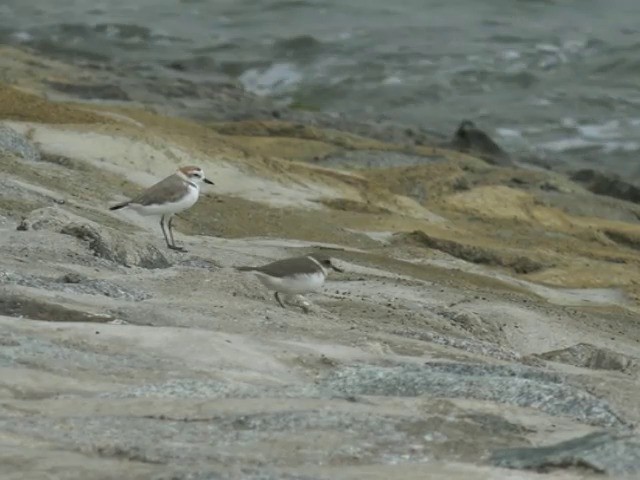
288,266
171,189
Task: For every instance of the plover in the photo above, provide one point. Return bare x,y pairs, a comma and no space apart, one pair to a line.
174,194
294,276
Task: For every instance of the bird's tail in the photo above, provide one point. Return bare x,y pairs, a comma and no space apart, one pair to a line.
245,269
119,205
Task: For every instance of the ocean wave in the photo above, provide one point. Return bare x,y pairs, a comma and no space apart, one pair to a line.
519,65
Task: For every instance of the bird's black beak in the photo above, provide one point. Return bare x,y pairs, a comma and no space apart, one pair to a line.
206,180
337,269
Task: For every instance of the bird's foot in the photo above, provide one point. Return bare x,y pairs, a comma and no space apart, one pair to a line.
177,248
305,305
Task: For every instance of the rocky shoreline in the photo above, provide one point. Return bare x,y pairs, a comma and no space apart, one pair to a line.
486,324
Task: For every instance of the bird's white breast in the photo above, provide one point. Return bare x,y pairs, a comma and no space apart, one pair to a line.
297,284
191,197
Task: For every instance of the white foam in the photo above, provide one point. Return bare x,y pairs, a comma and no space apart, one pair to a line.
392,80
509,132
21,37
540,102
569,122
278,78
611,147
547,48
566,144
574,46
610,129
510,54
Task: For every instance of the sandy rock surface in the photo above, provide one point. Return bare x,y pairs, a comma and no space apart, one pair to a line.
486,324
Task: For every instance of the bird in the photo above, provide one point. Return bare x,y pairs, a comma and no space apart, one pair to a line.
174,194
295,275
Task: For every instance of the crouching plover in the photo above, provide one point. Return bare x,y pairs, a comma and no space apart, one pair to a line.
294,276
174,194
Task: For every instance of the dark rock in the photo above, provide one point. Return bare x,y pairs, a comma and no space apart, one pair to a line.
91,91
13,142
549,187
525,265
72,277
589,356
354,206
23,226
609,184
469,138
179,66
195,63
298,46
515,385
602,452
461,184
473,253
625,239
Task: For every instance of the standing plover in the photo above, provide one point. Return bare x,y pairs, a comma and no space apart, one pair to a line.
294,276
174,194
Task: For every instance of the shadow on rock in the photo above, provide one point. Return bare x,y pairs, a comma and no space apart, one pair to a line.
74,283
609,184
34,309
602,452
589,356
116,249
103,241
472,253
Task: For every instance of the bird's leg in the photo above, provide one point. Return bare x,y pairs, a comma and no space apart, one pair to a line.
170,225
304,304
166,239
277,295
173,245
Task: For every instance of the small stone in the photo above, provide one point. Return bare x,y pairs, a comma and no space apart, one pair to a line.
72,277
